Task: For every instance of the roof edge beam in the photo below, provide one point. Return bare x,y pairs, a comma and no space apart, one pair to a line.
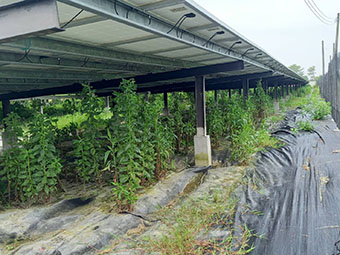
19,20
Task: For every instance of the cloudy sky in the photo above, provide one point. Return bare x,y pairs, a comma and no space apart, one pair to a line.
286,29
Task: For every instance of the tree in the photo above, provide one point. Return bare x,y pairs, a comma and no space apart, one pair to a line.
311,73
299,70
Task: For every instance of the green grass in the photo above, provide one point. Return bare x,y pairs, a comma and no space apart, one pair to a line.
194,218
305,126
78,118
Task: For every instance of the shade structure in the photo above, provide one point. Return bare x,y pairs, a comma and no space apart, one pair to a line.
102,41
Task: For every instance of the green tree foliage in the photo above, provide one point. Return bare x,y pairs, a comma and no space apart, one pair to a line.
311,72
299,70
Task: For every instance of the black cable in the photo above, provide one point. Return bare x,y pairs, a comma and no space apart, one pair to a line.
115,6
25,56
86,60
179,25
75,16
174,26
181,20
212,37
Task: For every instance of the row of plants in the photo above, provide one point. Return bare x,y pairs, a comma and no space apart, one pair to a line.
130,147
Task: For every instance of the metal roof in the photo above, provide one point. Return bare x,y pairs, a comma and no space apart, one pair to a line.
108,39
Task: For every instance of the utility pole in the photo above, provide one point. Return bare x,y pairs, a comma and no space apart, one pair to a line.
323,57
337,35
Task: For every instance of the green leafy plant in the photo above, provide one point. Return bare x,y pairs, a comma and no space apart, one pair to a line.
183,119
88,147
123,156
140,143
305,126
216,118
43,163
31,165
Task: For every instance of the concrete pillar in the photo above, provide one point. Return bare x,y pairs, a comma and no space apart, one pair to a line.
6,140
245,87
166,104
201,140
107,102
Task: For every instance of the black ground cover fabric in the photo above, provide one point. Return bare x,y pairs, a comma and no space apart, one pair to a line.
292,201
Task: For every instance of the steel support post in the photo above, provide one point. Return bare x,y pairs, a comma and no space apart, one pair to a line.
201,140
265,86
276,97
166,104
245,87
6,110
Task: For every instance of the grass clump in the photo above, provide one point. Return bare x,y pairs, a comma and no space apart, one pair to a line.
305,126
317,106
188,224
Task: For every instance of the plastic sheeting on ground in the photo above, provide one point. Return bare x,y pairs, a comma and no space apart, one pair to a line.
292,201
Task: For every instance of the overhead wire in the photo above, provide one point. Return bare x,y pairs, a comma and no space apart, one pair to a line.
321,12
317,14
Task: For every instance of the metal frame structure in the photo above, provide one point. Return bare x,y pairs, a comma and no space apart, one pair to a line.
49,63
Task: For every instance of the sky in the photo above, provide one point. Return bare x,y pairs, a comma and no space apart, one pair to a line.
286,29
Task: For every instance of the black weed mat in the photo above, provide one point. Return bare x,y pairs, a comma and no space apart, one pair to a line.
292,201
